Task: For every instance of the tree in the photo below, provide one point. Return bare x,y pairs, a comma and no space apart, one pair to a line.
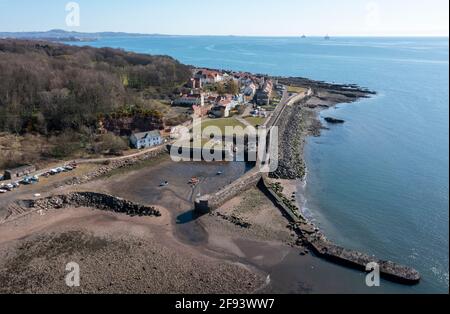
232,87
221,90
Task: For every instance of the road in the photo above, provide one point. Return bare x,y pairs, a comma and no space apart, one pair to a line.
286,100
86,161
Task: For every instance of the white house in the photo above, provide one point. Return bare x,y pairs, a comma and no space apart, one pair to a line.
146,139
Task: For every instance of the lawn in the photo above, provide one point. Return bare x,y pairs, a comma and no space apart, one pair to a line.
296,90
222,123
255,121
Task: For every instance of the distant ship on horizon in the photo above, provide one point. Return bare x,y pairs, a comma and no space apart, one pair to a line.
327,37
303,36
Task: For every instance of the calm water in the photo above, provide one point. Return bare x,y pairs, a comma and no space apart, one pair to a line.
380,182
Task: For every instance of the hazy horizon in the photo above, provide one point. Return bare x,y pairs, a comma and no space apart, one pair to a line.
255,18
243,35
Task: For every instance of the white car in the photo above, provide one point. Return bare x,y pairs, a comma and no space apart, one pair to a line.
3,191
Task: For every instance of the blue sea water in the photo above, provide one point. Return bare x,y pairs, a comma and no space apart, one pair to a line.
380,182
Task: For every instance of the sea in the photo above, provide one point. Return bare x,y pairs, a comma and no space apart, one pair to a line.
380,182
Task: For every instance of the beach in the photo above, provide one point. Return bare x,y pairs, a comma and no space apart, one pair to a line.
246,245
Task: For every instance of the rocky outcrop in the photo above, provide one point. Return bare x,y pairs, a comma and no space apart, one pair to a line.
237,221
93,200
334,120
350,91
123,126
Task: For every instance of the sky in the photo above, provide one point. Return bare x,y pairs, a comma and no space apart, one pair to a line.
231,17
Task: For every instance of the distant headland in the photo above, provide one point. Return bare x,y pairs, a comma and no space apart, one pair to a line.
59,35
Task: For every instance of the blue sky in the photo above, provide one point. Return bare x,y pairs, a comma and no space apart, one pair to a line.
234,17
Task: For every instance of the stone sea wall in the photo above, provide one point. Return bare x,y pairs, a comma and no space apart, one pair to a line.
291,141
310,236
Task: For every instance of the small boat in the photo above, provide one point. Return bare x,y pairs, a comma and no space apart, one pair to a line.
219,173
327,37
194,181
165,183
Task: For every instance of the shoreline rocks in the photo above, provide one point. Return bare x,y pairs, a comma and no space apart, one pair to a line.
88,199
334,120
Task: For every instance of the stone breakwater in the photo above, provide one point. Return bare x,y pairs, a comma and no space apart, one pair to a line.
82,199
311,237
291,142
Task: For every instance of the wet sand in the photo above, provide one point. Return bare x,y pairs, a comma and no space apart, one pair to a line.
116,254
268,245
178,197
177,253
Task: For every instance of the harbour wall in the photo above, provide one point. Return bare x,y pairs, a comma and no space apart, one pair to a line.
322,247
211,202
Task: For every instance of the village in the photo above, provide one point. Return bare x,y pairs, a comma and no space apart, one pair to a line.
227,98
219,98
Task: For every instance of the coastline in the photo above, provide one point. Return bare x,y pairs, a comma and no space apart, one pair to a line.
298,123
229,246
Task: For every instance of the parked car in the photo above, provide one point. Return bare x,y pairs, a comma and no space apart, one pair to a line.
26,181
2,191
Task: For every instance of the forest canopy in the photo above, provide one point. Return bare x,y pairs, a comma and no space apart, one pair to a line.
48,88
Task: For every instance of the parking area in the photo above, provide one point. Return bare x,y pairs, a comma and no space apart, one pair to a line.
35,178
